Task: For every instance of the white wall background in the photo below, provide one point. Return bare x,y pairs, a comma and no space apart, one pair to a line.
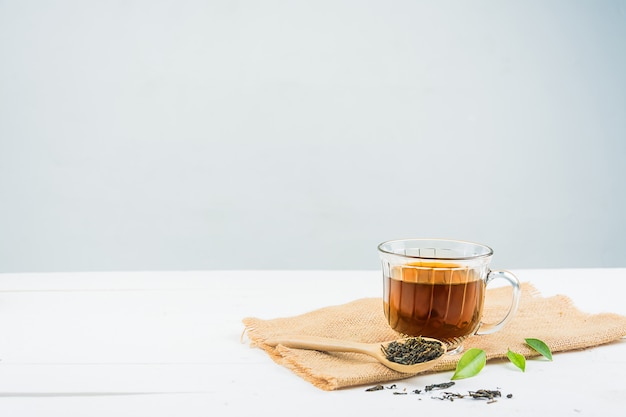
272,134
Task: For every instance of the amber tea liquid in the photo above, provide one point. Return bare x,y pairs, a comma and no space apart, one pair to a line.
438,300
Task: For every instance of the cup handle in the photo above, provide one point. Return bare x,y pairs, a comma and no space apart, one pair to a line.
488,328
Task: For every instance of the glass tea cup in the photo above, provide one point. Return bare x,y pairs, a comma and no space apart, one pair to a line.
436,288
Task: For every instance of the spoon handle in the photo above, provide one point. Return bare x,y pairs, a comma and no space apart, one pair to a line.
320,343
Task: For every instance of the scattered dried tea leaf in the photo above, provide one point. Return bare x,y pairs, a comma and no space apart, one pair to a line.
481,394
517,360
486,394
443,385
450,396
540,347
470,364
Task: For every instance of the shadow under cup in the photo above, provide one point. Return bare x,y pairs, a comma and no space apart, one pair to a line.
436,288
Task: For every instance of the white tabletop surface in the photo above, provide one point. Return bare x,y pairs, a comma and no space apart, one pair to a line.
170,344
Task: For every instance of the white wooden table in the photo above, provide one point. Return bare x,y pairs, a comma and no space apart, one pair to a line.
170,344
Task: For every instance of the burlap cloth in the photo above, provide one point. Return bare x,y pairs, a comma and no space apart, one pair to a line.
555,320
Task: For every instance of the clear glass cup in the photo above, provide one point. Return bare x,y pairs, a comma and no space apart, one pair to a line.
436,288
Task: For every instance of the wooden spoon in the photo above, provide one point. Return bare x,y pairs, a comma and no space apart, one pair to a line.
371,349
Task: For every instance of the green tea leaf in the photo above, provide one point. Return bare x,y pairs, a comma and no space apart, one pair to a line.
470,364
540,347
517,360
